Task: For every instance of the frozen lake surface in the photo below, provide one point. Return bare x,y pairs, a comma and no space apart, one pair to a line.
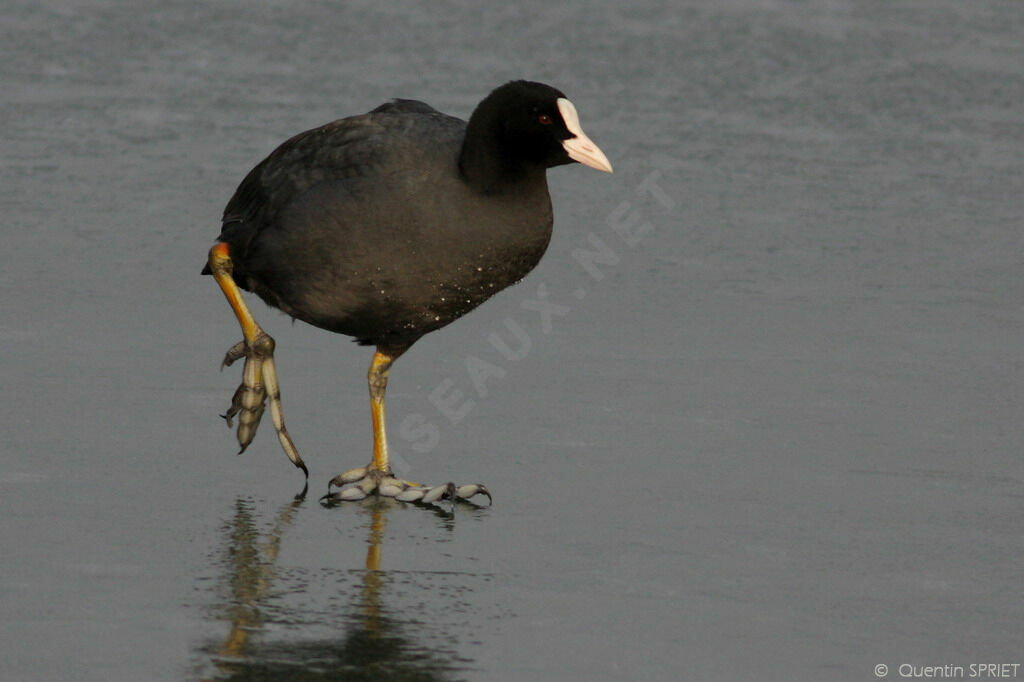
774,434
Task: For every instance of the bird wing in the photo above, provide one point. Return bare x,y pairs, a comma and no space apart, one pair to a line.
388,139
348,147
353,147
406,106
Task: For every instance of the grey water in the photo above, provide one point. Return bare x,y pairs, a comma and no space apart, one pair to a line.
767,426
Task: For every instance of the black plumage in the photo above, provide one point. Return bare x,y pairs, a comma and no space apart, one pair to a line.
392,224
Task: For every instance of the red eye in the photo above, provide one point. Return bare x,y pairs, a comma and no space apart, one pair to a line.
545,120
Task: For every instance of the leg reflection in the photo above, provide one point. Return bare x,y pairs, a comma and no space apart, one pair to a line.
333,623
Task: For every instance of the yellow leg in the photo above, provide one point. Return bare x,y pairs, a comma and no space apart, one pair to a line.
221,266
377,377
259,375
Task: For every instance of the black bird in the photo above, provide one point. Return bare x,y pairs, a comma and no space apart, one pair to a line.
387,226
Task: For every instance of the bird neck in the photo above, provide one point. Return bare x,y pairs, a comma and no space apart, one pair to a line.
488,164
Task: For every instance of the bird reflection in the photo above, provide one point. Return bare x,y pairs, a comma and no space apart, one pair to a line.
375,646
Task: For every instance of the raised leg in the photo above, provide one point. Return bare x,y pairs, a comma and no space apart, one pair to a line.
259,375
378,476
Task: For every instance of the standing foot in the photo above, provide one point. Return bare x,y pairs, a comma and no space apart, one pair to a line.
365,481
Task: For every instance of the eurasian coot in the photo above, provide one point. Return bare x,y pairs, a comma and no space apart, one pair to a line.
387,226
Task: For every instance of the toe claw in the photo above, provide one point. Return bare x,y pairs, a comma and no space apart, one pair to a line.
236,406
236,352
464,492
